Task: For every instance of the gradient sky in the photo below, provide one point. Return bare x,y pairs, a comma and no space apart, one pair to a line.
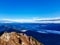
24,9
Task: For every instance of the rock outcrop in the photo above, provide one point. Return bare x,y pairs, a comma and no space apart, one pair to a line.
14,38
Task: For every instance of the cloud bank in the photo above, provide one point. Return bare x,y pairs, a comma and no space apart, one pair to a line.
49,31
33,20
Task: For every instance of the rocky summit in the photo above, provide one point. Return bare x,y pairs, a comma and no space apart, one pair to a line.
14,38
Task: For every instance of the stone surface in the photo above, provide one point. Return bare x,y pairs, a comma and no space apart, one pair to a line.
14,38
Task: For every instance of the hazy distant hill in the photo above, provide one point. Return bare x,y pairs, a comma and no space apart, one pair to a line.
31,30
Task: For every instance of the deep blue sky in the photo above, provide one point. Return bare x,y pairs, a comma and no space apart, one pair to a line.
17,9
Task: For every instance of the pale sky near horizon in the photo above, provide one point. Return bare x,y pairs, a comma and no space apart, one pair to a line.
27,9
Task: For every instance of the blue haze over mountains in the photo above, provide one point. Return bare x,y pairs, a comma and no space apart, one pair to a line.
47,33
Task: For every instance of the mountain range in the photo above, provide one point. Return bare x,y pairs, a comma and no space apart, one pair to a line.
47,33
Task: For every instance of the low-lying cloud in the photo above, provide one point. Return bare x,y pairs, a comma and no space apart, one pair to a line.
34,20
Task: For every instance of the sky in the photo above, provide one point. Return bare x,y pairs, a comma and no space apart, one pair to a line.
28,9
